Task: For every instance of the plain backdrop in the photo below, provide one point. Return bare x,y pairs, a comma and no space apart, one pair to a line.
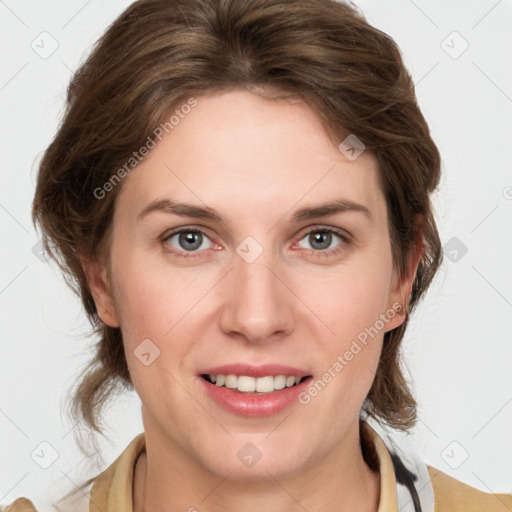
458,348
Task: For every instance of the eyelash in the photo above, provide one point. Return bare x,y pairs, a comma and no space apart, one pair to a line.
322,253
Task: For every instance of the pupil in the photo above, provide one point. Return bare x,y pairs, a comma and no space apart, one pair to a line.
188,238
318,236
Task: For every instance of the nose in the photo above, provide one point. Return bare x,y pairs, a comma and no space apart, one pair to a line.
258,304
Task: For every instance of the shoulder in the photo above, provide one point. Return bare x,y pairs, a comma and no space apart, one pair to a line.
76,502
452,495
19,505
114,479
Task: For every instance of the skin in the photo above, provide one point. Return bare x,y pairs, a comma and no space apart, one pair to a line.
255,162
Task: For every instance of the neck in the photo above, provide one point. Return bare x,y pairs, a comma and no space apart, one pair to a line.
341,482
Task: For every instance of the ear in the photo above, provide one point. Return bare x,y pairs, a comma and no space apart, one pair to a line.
401,288
97,279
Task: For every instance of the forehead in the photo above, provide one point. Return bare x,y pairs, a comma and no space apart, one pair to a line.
237,149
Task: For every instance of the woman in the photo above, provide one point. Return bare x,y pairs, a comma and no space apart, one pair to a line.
240,193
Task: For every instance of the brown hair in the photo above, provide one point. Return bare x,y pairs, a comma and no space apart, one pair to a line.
157,54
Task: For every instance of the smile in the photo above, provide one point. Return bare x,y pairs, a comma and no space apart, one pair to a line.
253,385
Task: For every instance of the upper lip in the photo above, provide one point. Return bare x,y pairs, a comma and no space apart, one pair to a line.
255,371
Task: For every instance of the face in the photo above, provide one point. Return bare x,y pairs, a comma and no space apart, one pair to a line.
251,282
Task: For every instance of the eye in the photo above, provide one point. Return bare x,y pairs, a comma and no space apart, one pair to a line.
189,242
186,241
320,239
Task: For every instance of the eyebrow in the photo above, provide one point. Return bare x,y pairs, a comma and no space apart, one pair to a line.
207,213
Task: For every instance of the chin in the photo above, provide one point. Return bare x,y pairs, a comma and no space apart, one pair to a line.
250,458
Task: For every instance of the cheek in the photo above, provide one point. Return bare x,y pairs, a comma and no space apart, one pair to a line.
352,299
152,299
352,303
143,307
151,296
164,304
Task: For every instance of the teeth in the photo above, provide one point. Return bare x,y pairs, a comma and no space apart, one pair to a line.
263,384
279,382
246,384
231,381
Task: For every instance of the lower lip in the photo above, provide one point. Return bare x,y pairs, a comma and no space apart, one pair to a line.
255,406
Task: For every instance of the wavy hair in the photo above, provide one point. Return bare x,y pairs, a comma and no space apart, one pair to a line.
157,54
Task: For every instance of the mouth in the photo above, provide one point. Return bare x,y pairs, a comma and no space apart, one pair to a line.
246,384
255,391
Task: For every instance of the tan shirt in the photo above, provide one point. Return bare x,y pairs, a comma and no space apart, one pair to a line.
112,490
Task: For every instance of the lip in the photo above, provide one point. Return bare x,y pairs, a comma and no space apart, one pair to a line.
255,406
255,371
